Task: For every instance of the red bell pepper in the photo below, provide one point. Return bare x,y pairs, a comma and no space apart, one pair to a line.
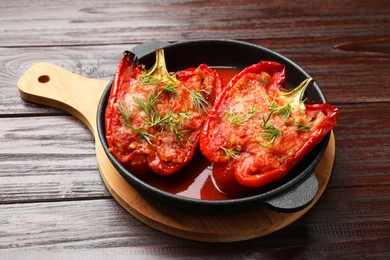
153,118
258,130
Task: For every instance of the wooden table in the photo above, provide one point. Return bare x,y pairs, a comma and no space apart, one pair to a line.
53,202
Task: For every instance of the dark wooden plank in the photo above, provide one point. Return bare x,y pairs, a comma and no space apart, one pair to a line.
53,203
47,158
336,222
348,69
52,158
362,146
97,62
100,22
343,76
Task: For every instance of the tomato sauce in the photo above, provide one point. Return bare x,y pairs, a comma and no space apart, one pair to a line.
194,180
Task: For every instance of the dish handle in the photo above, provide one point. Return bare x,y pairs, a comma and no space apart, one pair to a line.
296,198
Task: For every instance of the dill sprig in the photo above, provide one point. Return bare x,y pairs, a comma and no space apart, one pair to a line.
126,112
156,119
151,99
180,135
301,127
230,153
144,134
198,100
279,110
252,111
235,118
184,115
238,118
264,80
149,79
171,88
268,145
175,126
285,111
270,131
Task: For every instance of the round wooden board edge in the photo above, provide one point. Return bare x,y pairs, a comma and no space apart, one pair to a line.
173,221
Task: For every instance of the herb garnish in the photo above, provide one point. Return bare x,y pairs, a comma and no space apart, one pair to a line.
252,112
235,118
279,110
148,79
170,88
270,131
198,100
180,134
301,127
238,118
230,153
145,135
264,80
126,112
156,119
151,99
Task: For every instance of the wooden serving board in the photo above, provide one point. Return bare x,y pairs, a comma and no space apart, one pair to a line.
51,85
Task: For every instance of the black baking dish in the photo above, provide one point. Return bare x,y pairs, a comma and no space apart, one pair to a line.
293,192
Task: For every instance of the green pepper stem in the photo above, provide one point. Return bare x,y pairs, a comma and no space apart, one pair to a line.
295,96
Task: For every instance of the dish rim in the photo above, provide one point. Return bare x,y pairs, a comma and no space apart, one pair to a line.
183,201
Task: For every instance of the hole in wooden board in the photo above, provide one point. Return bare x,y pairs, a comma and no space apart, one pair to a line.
44,79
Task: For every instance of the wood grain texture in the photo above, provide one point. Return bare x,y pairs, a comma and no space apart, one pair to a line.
335,71
207,226
85,227
80,96
93,62
65,150
90,22
363,149
50,85
53,203
38,150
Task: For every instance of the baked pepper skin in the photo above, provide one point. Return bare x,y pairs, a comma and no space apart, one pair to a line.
154,119
258,130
